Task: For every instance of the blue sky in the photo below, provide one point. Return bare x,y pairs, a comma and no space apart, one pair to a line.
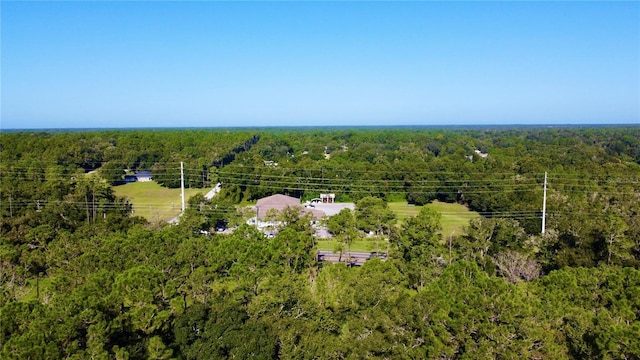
210,64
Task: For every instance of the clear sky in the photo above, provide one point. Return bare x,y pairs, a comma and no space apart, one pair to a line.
210,64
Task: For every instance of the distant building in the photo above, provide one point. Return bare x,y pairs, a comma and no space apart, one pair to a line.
481,154
328,198
277,201
142,176
280,202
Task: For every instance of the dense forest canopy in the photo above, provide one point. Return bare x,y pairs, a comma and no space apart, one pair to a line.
81,277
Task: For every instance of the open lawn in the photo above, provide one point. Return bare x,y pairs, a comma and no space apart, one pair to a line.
154,202
455,217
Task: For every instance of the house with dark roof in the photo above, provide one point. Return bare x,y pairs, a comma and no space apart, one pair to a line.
141,176
144,176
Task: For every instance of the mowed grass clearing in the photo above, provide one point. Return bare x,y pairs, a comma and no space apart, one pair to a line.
455,217
154,202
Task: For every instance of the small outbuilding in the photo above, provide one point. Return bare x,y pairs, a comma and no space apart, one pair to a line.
328,198
141,176
144,176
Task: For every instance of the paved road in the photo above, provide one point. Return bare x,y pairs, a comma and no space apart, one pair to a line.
213,192
350,258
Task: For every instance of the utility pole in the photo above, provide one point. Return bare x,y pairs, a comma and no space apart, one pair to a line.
544,202
182,183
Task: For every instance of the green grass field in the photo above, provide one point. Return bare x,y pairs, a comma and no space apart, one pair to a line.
455,217
154,202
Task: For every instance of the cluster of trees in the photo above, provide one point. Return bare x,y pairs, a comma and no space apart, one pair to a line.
593,178
171,293
81,278
422,165
37,157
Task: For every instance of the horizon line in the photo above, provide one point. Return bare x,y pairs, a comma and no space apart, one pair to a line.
251,127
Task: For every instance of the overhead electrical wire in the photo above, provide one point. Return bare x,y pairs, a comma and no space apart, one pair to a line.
279,179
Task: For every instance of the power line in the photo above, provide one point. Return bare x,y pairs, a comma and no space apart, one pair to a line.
572,176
